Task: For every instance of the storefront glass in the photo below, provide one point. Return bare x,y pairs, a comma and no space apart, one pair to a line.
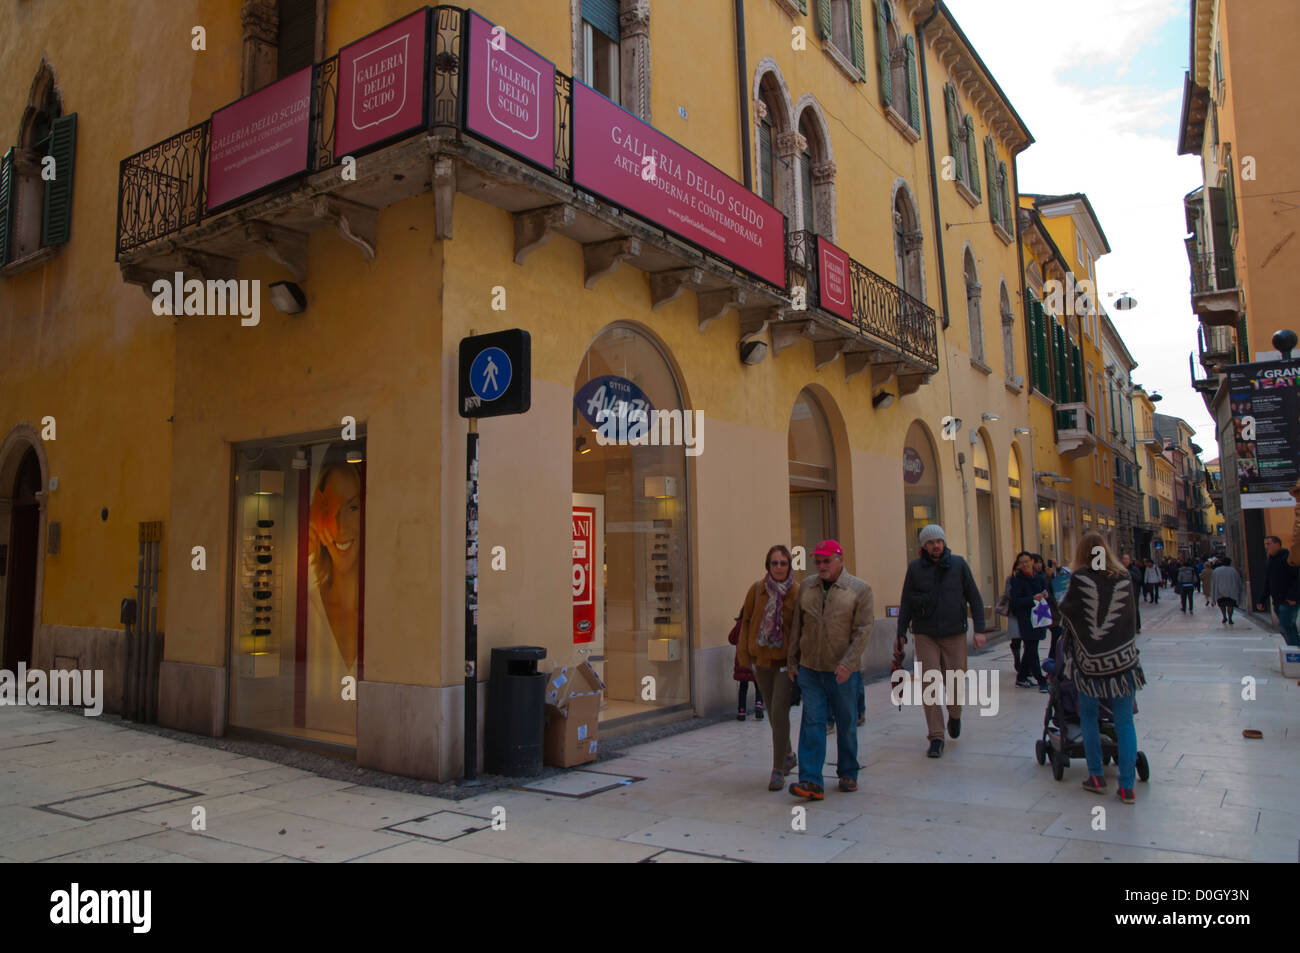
1047,531
920,487
631,538
1013,485
297,638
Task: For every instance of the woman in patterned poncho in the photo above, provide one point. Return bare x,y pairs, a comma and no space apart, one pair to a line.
1101,656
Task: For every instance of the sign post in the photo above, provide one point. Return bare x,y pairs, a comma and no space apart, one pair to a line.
495,380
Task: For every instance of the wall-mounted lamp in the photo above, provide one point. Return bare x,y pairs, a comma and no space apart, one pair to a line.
882,400
1023,431
287,297
267,482
661,487
1125,302
989,417
355,456
752,352
581,446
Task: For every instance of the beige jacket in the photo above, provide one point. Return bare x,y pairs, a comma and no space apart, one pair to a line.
831,631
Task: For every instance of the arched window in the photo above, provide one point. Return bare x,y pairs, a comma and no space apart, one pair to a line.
920,486
973,309
812,474
36,208
1008,330
630,498
778,144
816,172
908,239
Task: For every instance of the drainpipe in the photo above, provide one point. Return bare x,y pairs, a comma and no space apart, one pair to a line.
742,91
929,145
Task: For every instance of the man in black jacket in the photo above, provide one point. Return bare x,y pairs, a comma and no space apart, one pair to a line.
1135,573
1282,586
936,590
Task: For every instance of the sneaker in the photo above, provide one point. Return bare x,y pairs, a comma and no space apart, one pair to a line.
936,748
740,715
1095,783
954,727
807,789
1126,795
791,762
848,785
758,714
1042,687
776,782
1026,683
1230,622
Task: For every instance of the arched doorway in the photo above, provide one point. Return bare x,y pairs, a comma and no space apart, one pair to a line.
1017,513
986,563
631,530
812,475
920,486
21,560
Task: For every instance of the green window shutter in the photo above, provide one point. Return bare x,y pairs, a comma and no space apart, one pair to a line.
859,48
1062,392
882,53
950,102
913,99
806,177
56,223
972,156
990,158
1231,196
6,205
766,182
1035,343
1004,176
1076,368
824,20
803,6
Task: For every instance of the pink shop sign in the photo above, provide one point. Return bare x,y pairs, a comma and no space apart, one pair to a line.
510,94
260,139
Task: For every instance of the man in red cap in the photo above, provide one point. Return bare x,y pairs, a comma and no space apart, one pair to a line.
832,619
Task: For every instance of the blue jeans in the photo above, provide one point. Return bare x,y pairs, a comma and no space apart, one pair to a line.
1286,617
856,678
823,696
1122,710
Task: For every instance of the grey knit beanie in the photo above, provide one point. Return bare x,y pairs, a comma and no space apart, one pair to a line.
932,531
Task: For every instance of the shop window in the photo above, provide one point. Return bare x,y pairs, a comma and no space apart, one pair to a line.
299,589
811,450
631,526
973,309
36,177
920,487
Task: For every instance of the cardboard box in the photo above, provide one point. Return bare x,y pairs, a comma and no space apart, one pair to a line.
1289,658
573,700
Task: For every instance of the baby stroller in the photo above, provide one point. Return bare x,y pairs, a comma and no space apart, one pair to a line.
1062,735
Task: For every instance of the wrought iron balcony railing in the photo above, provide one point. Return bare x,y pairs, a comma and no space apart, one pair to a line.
1212,273
879,307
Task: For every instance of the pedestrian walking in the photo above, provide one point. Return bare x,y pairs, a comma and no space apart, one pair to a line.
1207,579
1101,658
1058,578
1282,587
765,625
937,589
1029,599
1134,568
1226,588
1187,585
744,676
832,620
1152,582
1003,608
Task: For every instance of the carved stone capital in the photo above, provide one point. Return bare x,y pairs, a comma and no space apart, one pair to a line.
261,21
823,173
760,110
790,144
634,19
913,240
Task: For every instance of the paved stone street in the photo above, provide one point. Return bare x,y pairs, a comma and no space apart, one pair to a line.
77,789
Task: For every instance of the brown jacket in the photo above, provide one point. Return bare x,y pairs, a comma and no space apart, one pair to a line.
831,631
748,651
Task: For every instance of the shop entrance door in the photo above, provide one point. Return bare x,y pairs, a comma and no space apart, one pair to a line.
989,589
24,536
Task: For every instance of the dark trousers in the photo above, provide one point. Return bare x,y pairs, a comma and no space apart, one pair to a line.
1227,606
1015,653
1029,667
1188,595
1152,591
744,695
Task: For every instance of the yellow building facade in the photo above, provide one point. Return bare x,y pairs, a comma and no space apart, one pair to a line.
283,500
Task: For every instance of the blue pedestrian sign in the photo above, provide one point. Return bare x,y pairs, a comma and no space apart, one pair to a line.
489,375
495,374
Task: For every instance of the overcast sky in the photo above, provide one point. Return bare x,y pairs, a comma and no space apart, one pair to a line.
1099,84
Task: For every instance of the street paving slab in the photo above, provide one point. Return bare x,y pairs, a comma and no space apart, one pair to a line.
76,789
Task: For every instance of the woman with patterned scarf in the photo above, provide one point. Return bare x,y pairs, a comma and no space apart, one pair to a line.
1100,624
764,628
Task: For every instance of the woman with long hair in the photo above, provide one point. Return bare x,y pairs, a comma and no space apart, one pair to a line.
763,645
1099,621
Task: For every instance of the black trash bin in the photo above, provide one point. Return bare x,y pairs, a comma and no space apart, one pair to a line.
516,715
